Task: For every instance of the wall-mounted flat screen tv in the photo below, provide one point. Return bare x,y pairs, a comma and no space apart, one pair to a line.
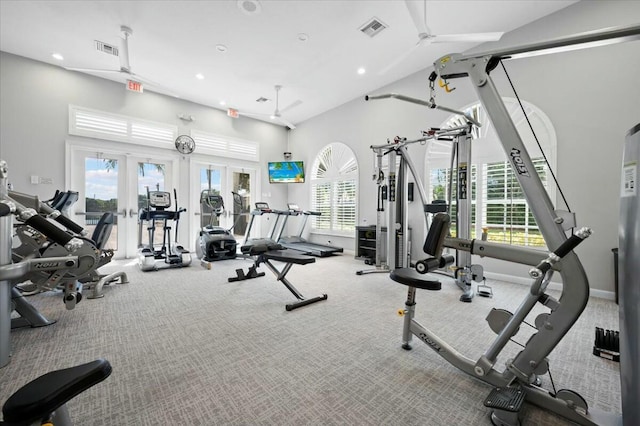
286,172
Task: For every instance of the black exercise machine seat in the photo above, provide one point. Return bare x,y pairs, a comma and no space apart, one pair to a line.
433,246
39,398
411,278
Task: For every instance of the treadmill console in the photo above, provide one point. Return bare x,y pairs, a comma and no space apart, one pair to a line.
263,207
293,208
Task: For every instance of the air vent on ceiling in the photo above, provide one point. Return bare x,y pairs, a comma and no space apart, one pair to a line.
373,27
262,99
106,48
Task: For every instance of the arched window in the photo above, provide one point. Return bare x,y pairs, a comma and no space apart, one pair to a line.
334,184
497,199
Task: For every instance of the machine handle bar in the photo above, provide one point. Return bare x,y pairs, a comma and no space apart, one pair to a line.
425,103
69,224
564,249
49,229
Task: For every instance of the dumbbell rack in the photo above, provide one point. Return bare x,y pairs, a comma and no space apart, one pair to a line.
607,344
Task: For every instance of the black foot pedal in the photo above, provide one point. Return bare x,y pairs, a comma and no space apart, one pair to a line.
506,403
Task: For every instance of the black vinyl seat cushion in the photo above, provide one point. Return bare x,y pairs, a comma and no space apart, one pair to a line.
411,278
288,256
42,396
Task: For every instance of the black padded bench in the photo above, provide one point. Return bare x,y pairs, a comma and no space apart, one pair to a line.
265,251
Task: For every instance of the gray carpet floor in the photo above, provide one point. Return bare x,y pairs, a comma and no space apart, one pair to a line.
189,348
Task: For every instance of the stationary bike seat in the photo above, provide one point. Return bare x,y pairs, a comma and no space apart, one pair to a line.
42,396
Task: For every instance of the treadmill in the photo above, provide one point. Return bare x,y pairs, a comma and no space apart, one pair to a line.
299,243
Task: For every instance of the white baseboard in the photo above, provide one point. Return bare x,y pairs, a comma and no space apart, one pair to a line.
602,294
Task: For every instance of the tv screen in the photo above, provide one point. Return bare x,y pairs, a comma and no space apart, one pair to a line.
286,172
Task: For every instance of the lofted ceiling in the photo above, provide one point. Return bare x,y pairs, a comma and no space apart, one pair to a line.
172,41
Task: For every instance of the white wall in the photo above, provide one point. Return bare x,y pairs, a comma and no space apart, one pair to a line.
34,105
591,96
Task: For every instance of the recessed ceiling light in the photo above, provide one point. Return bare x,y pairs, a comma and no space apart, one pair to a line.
58,56
223,103
361,70
303,36
200,76
249,7
221,48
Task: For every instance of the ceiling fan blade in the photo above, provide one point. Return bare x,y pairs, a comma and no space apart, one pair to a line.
124,48
94,70
418,12
291,106
268,116
402,57
144,80
286,122
255,115
471,38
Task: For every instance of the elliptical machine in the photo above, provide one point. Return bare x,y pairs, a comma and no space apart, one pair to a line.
214,242
170,254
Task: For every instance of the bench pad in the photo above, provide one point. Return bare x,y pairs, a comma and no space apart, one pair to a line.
288,256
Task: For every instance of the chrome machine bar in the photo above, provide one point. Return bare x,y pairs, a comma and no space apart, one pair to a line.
5,259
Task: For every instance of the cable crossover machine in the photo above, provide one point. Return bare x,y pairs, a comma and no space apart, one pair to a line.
520,380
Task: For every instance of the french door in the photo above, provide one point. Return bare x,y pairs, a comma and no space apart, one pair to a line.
236,185
117,182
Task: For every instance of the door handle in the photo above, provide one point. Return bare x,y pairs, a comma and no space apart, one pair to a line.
132,213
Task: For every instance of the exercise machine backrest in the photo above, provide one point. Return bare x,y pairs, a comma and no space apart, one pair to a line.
103,230
434,243
63,200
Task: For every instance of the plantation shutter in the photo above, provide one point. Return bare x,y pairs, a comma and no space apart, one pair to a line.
120,128
334,189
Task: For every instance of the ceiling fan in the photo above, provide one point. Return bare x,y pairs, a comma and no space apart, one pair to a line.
123,55
277,113
425,36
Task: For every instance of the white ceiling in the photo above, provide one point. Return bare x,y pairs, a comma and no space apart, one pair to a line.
172,41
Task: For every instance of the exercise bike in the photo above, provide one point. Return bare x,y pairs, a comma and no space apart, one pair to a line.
214,242
169,254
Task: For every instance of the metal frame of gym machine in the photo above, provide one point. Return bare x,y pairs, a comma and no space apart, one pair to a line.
460,137
522,371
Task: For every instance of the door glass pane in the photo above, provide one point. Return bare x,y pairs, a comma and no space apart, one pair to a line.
151,177
101,195
241,185
210,181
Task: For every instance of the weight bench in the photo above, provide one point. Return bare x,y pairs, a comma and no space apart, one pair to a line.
263,252
433,246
